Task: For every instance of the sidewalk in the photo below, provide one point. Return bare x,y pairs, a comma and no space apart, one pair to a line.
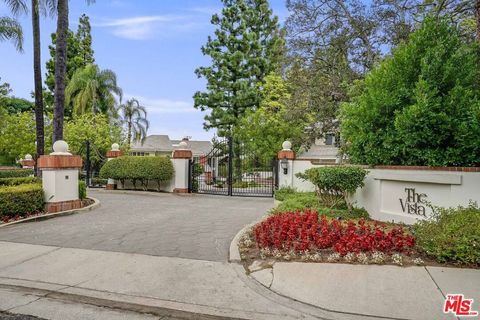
148,284
383,291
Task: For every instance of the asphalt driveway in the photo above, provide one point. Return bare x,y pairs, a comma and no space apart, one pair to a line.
189,226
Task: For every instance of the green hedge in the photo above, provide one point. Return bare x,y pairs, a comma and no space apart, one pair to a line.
21,200
140,170
82,189
452,236
335,184
18,181
16,173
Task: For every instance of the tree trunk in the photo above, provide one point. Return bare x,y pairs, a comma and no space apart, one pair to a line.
477,18
129,133
60,69
37,71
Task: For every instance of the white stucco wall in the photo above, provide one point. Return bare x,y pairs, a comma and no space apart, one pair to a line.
60,184
401,195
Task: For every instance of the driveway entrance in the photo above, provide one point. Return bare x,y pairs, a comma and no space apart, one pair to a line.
192,226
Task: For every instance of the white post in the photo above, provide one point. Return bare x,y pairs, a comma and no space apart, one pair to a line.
286,158
60,178
112,154
181,158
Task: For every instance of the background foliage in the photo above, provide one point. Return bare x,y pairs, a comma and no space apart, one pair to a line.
421,106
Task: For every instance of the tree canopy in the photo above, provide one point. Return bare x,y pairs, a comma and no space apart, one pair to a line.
421,106
244,51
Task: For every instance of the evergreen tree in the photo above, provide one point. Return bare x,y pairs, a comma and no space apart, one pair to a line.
245,49
79,55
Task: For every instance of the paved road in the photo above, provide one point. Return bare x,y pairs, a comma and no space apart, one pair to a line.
190,226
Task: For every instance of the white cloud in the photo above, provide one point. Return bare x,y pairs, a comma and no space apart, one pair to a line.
146,27
159,106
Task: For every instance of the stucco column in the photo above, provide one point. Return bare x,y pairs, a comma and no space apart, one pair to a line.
181,158
28,162
60,178
286,159
112,154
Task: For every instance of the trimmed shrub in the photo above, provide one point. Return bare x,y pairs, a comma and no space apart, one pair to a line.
82,189
21,200
302,201
335,184
453,235
140,170
16,173
18,181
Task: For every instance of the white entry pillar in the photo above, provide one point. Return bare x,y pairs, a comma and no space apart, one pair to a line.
286,158
60,178
181,158
112,154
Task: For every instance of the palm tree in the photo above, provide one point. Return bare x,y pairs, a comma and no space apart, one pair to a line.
10,29
18,7
134,116
93,90
61,68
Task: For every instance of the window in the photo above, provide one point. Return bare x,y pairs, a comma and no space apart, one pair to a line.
329,139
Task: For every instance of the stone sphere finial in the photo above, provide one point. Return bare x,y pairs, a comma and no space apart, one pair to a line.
287,145
183,145
115,147
60,147
28,157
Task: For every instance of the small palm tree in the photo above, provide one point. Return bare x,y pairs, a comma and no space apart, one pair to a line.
134,117
93,90
10,29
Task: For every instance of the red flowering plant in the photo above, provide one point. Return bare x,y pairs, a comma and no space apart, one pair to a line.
301,231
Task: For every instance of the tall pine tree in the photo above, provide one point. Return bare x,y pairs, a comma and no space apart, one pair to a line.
245,49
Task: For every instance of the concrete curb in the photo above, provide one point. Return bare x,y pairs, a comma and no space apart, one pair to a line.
94,205
142,192
234,253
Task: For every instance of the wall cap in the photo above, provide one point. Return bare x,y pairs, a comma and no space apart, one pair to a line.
59,162
286,154
182,154
114,154
426,168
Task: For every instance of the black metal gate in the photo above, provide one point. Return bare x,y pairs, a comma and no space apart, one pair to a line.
231,169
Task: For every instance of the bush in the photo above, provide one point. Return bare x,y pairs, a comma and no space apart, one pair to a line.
18,181
453,235
20,200
99,181
283,192
301,201
16,173
82,189
335,184
421,105
139,170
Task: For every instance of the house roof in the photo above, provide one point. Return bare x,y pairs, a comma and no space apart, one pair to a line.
197,147
162,143
154,142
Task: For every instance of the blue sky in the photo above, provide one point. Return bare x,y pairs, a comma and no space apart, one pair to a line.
153,47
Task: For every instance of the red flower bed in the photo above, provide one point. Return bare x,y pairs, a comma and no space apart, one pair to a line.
305,231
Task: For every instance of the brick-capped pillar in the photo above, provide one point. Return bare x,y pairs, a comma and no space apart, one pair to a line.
60,178
286,159
112,154
181,158
28,162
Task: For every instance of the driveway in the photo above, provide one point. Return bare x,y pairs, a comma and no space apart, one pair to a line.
187,226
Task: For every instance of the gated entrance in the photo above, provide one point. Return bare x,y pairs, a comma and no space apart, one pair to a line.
231,169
